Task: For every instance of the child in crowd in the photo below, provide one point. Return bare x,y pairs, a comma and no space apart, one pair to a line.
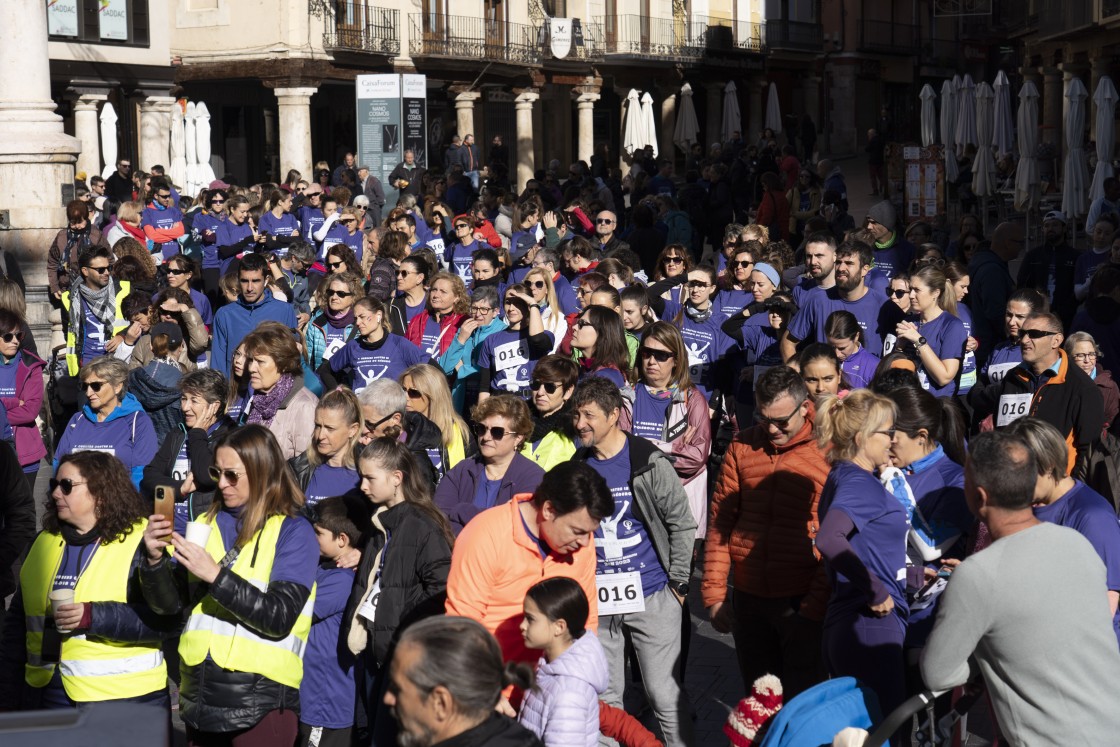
328,690
563,708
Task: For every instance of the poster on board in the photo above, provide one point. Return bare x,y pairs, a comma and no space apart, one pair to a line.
112,19
414,105
379,124
62,17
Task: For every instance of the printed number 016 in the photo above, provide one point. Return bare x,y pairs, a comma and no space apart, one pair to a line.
629,593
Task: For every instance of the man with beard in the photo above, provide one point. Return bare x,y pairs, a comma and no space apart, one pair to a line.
877,318
820,266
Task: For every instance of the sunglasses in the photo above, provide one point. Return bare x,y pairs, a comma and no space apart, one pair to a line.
339,294
538,284
661,356
497,433
360,207
404,273
100,270
741,264
698,284
549,386
164,197
414,393
604,222
581,323
459,226
232,476
371,427
167,312
175,271
674,260
336,265
217,202
899,293
12,337
1036,334
95,385
65,483
777,422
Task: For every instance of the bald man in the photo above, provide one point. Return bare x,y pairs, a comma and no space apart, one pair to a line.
992,284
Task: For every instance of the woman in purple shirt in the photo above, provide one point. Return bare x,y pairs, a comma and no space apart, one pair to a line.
932,335
846,338
327,468
599,335
863,540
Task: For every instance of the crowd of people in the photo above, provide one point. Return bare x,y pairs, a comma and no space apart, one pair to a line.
324,474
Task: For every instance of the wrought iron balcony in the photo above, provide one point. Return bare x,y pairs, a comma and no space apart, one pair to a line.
885,37
726,35
359,26
794,35
473,38
648,37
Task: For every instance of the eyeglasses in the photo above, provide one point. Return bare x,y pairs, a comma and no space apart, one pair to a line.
581,323
164,196
217,202
777,422
414,393
336,265
339,294
889,432
900,292
460,226
538,284
741,265
232,476
478,310
345,221
363,208
661,356
100,270
1036,334
65,483
604,222
176,271
94,385
674,260
11,337
1076,356
698,284
371,427
497,433
167,312
549,386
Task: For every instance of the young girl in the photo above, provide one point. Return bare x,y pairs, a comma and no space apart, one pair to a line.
562,709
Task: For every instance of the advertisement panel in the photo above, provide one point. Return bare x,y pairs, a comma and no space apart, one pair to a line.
112,17
62,17
414,104
379,124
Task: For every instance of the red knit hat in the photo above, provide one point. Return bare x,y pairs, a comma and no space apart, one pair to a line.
745,724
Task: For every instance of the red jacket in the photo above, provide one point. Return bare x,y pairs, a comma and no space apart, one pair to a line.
448,326
774,210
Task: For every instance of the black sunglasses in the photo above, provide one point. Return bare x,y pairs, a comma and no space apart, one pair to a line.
661,356
340,294
232,476
95,385
371,427
12,337
1036,334
698,284
538,284
100,270
900,292
175,271
335,265
604,221
549,386
674,260
779,422
65,483
414,393
741,264
497,433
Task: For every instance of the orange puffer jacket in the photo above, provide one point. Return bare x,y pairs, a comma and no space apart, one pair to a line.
763,518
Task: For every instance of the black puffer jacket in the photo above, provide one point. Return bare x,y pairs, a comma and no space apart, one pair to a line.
200,451
212,698
413,576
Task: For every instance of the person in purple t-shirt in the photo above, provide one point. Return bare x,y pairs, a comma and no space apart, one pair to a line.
845,337
932,336
327,468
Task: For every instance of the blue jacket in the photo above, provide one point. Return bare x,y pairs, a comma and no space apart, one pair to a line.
235,320
327,692
456,491
127,433
467,353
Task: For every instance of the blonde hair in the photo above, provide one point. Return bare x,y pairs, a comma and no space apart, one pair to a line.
556,314
936,280
343,401
129,211
844,425
12,298
441,410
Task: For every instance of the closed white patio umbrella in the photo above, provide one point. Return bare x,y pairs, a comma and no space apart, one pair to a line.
1104,98
732,120
687,129
1004,136
1075,179
202,137
1026,173
108,119
948,129
632,127
929,115
177,169
965,133
984,166
773,110
649,127
190,119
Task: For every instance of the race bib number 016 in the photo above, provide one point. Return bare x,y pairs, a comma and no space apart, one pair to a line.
620,593
1012,407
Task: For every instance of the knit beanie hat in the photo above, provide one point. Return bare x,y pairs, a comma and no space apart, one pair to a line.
882,213
745,724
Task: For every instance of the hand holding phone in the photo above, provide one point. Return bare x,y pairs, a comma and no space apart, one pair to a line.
165,502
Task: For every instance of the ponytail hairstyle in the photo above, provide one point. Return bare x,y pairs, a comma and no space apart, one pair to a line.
562,598
843,325
393,456
162,349
844,425
937,281
940,418
345,402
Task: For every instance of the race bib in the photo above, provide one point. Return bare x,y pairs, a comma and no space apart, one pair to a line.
620,593
923,379
368,610
333,346
180,470
1012,407
998,371
437,246
890,342
511,355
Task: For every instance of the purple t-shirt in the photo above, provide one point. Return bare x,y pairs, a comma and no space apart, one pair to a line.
705,344
728,303
75,560
297,549
967,378
389,360
612,375
622,543
648,418
1004,357
1086,262
506,354
327,693
877,317
859,368
946,336
460,260
8,373
327,481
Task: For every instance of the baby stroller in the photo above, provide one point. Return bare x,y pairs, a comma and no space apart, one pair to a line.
816,716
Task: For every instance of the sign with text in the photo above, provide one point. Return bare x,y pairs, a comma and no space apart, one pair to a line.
392,117
112,17
62,17
414,104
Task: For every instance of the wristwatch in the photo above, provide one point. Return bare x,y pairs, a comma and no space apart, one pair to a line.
920,343
680,587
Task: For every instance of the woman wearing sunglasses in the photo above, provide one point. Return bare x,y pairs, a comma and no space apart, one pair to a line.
330,330
507,357
411,288
463,247
932,335
372,352
550,390
112,420
539,283
672,413
460,361
328,468
898,291
174,305
734,294
498,472
246,596
278,399
600,339
705,342
352,238
671,273
90,546
426,388
182,270
21,393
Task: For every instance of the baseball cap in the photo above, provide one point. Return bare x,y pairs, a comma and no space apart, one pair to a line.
218,184
1057,215
174,334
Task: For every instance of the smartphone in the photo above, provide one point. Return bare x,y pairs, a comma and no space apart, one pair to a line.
165,502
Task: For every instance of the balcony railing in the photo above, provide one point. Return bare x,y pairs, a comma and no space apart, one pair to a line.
357,25
1059,17
885,37
794,35
726,35
472,38
646,36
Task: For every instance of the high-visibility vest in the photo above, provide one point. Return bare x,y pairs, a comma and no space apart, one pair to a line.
73,355
551,450
93,669
213,630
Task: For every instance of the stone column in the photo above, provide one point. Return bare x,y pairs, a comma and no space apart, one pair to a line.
755,86
1053,98
155,131
526,161
713,95
295,128
36,156
270,151
87,128
668,124
537,111
811,85
585,114
464,113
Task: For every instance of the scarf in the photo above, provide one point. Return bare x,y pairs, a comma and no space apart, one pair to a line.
101,304
134,231
265,406
698,315
558,422
74,538
448,325
76,241
340,320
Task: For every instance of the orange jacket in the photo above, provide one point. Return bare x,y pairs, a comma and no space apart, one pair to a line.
624,728
492,567
763,520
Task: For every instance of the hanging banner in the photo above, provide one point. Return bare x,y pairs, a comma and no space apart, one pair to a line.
560,32
414,104
379,125
112,17
62,17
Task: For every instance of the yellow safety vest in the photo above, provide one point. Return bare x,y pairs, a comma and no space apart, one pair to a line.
213,630
551,450
73,355
93,669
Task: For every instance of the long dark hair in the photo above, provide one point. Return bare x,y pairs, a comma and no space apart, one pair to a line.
940,417
610,347
562,598
118,504
392,455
